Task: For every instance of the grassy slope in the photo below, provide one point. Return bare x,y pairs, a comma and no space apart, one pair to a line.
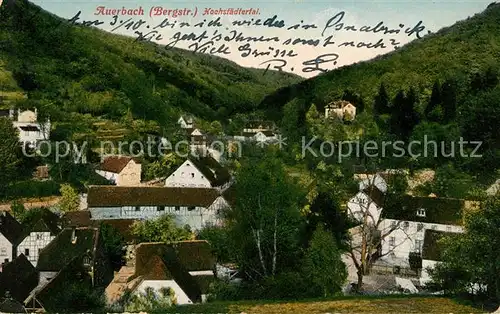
456,51
90,71
347,305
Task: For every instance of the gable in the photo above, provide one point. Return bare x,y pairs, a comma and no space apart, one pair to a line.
196,132
19,277
115,164
10,228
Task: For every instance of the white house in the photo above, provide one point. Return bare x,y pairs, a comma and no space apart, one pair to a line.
203,172
11,233
185,123
31,131
370,198
162,266
121,170
258,126
40,230
342,109
195,207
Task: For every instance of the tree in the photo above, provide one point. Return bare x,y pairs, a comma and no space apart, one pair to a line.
114,245
161,229
150,300
381,105
434,101
18,210
471,261
323,264
9,153
215,128
265,221
219,239
369,233
70,201
449,100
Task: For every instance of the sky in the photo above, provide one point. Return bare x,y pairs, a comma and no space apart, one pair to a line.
348,39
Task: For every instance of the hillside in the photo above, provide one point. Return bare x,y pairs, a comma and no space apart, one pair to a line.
457,51
66,68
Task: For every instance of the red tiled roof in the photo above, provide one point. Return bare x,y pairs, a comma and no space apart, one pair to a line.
116,164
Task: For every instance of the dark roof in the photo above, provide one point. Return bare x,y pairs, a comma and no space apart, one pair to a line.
432,249
437,210
10,228
29,128
19,278
375,195
79,218
267,133
157,270
110,196
249,134
42,220
178,259
212,170
4,113
62,250
116,164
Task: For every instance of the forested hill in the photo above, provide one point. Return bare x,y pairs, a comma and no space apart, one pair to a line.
67,68
457,52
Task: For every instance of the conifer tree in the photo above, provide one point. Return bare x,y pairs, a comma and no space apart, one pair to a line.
381,105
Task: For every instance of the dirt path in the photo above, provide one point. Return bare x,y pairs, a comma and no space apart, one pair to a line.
33,203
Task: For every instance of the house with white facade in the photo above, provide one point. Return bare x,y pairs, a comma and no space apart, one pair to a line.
121,170
39,231
342,109
186,267
11,232
369,201
185,122
31,131
202,172
409,224
195,207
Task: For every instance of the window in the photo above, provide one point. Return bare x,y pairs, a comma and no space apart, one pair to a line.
38,236
177,208
86,261
393,224
392,241
6,260
420,226
137,208
3,251
448,228
406,225
27,252
161,208
418,246
191,208
192,175
362,201
421,212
